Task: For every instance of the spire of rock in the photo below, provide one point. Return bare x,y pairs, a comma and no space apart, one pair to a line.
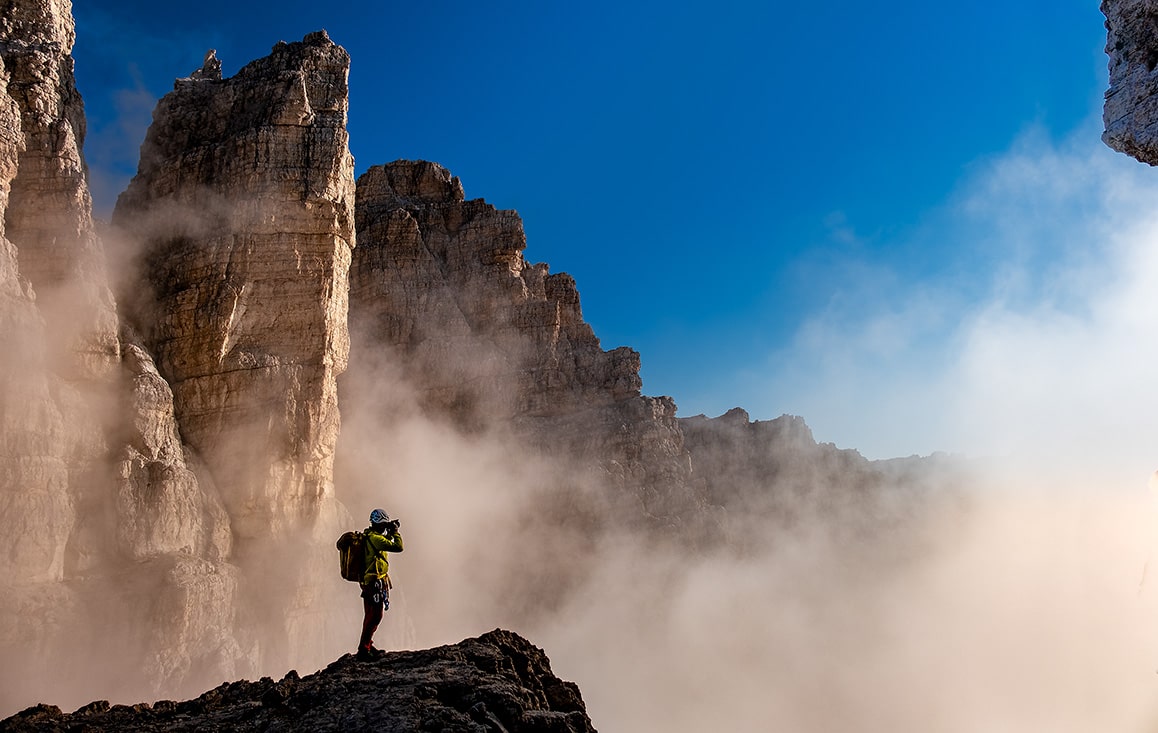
210,67
243,207
244,202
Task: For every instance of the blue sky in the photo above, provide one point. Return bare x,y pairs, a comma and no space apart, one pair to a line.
787,208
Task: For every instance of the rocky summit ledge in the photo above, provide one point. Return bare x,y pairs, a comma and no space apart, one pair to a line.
498,682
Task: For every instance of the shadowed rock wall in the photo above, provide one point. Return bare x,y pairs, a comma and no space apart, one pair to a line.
440,283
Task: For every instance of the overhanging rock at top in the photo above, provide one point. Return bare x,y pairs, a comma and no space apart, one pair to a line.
1130,113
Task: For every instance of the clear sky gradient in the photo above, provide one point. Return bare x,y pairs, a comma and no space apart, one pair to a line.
807,208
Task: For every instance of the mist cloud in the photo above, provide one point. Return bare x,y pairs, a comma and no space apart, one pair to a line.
1034,338
1029,606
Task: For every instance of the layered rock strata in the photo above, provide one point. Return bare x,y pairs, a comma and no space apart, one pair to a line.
50,212
243,209
62,350
34,500
441,284
92,471
496,682
244,204
1130,113
33,467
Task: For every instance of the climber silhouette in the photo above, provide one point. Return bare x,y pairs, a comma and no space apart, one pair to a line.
381,537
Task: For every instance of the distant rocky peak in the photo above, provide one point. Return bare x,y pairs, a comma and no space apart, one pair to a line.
210,67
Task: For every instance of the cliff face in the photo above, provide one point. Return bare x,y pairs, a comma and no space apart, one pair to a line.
118,538
50,211
31,427
444,281
440,284
242,208
1130,114
59,371
496,682
244,203
65,345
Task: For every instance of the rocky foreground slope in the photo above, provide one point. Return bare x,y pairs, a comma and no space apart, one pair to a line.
497,682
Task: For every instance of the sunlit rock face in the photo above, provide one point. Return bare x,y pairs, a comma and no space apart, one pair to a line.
1130,114
440,283
243,209
93,477
490,335
50,212
62,330
138,456
35,507
244,202
98,499
33,470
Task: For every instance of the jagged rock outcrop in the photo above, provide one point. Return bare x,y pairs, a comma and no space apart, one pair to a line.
1130,114
440,283
244,204
497,682
740,461
488,335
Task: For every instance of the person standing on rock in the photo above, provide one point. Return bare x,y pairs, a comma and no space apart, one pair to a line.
380,538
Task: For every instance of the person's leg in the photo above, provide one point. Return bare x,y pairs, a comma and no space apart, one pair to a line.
370,621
